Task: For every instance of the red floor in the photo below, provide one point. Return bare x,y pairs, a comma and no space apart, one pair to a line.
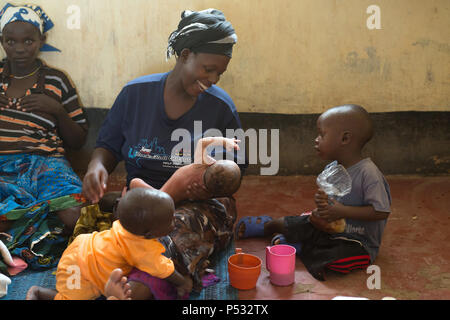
414,258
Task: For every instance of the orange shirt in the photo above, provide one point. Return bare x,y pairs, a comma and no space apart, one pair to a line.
100,253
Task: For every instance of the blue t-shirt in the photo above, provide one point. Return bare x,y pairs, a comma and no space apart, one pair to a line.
369,187
138,130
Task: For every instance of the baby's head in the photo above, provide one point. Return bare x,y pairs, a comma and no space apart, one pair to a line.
146,212
346,127
223,178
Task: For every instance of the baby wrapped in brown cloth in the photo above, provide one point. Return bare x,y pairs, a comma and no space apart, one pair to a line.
202,226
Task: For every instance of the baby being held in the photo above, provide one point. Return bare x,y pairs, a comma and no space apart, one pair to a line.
205,178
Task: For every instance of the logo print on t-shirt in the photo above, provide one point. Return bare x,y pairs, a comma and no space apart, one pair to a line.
147,150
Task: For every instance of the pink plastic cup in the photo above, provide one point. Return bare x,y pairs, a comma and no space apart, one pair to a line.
280,262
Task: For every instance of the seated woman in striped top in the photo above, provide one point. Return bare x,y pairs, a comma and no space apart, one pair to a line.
40,114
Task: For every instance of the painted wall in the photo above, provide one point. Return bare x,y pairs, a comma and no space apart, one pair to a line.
293,56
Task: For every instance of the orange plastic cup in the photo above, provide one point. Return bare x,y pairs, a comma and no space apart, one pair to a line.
244,270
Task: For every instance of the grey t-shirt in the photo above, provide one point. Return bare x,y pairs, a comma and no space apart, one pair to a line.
369,187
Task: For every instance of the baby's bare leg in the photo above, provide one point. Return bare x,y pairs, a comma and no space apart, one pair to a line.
39,293
117,287
178,184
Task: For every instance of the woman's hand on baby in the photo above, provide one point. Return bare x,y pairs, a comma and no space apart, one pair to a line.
198,191
40,103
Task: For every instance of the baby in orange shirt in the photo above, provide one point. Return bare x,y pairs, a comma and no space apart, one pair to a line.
88,262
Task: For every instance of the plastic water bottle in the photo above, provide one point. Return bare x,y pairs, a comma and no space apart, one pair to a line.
335,181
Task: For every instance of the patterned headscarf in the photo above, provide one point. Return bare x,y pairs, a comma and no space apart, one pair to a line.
203,31
27,13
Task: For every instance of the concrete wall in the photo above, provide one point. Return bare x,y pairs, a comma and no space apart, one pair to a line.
293,57
404,142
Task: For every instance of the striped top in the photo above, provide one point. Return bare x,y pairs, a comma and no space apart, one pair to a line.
37,133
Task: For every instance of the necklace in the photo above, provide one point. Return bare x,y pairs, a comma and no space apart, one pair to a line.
26,76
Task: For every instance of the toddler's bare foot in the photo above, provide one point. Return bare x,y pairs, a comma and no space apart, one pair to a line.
33,293
117,287
39,293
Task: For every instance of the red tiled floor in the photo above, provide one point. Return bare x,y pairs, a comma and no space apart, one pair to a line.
414,257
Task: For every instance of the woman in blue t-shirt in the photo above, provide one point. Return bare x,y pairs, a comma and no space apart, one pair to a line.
155,123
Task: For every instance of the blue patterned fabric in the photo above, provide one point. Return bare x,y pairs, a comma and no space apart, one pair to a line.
27,180
32,188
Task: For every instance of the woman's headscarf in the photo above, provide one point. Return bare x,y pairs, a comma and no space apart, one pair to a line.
204,31
27,13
